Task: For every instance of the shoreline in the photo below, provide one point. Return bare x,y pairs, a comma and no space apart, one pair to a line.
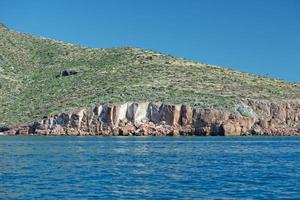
150,136
159,119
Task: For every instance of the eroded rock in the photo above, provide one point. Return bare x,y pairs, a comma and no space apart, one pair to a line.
158,119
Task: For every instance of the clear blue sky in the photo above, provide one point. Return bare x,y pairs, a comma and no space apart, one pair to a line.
261,37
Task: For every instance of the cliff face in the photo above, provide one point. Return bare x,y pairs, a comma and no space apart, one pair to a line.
157,119
40,76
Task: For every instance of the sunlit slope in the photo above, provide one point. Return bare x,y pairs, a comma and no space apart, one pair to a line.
32,86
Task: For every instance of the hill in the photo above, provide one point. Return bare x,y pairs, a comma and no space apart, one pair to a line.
40,76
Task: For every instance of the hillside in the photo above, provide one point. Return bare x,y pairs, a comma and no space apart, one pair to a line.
32,84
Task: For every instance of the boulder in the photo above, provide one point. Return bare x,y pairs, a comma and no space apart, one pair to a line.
68,72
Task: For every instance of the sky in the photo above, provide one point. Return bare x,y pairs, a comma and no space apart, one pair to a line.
255,36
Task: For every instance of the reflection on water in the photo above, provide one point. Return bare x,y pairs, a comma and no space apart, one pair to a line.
149,167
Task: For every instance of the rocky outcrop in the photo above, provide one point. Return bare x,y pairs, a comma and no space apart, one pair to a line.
276,118
158,119
67,73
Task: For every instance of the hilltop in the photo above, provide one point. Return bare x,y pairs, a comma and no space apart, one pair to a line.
40,76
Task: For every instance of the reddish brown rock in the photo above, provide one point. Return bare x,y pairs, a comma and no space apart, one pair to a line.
231,128
157,119
170,114
186,115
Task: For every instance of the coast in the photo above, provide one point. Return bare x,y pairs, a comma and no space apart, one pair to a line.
252,117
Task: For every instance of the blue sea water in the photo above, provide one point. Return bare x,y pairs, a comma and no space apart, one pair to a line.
149,167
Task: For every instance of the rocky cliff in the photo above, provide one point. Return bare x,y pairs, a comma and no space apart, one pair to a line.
157,119
41,76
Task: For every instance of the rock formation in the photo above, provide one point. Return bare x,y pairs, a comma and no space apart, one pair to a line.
159,119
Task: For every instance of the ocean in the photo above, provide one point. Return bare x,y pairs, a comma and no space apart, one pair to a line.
33,167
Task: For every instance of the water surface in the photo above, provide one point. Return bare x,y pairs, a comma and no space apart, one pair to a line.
149,167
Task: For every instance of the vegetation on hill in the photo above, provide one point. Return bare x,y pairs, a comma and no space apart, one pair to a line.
32,84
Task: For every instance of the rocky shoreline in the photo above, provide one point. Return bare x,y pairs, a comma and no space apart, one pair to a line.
253,117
